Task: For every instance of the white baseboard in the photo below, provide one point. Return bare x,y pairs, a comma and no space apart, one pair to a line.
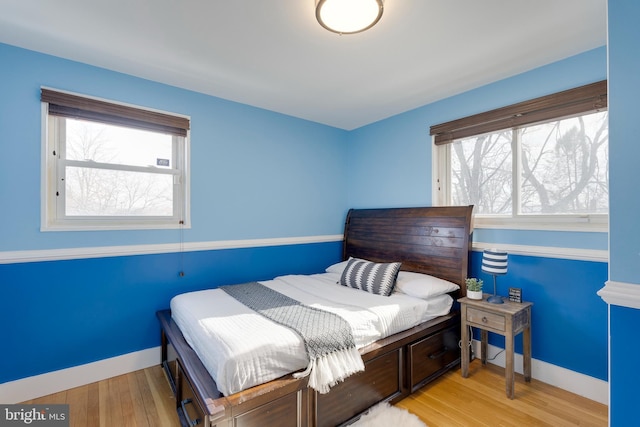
64,379
575,382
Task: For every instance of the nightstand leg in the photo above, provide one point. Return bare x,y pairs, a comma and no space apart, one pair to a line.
526,353
464,349
484,341
508,369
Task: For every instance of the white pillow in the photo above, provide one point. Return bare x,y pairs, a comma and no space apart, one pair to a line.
340,266
422,285
337,268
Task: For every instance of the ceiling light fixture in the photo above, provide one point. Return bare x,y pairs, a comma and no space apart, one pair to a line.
348,16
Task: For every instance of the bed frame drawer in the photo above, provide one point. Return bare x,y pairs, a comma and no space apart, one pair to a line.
190,410
432,356
282,412
381,380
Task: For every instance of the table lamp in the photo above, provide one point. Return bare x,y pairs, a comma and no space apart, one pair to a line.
494,262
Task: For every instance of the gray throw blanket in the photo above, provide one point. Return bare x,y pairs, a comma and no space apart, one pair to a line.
327,337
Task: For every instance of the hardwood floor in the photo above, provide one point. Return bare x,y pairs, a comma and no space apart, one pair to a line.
480,400
141,398
144,398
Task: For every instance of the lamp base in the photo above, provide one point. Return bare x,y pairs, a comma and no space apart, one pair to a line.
495,299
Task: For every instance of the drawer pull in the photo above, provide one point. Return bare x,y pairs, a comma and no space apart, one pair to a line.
191,422
438,354
484,319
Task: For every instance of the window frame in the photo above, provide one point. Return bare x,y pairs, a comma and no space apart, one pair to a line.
53,215
573,102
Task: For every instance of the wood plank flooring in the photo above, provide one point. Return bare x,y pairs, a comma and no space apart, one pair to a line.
143,398
480,400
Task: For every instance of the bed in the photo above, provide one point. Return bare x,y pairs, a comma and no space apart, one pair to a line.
433,241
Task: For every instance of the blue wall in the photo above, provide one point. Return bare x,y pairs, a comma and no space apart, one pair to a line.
255,174
569,320
390,165
61,314
390,160
624,129
624,92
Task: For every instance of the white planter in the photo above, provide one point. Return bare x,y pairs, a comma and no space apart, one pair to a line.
474,294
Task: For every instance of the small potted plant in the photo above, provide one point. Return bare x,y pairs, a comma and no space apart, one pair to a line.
474,288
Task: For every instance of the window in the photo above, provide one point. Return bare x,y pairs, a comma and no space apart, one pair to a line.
112,166
547,169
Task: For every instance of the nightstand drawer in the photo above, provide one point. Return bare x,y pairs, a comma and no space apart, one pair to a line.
486,319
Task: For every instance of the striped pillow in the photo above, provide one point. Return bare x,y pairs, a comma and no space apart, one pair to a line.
369,276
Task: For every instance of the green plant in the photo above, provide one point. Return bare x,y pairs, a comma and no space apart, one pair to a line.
473,284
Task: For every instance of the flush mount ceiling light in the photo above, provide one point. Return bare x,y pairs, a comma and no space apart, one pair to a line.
348,16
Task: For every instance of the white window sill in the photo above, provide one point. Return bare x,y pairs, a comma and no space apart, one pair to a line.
94,226
593,224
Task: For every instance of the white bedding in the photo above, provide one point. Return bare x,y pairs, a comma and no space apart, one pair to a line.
241,348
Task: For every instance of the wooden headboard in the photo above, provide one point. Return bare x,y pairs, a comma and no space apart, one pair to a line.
430,240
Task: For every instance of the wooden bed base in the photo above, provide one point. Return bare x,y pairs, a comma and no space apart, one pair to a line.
434,241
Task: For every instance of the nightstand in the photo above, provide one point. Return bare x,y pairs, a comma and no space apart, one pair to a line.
508,319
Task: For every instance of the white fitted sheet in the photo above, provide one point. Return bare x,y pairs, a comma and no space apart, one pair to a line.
241,349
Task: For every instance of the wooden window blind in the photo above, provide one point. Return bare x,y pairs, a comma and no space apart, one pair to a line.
581,100
74,106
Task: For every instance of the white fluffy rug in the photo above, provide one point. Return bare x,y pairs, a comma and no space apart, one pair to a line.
385,415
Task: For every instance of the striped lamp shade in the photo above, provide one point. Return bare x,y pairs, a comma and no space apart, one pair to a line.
494,262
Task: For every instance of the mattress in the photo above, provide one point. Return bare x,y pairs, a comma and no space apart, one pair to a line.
241,349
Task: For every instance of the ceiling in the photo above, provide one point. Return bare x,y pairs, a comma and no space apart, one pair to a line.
273,54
